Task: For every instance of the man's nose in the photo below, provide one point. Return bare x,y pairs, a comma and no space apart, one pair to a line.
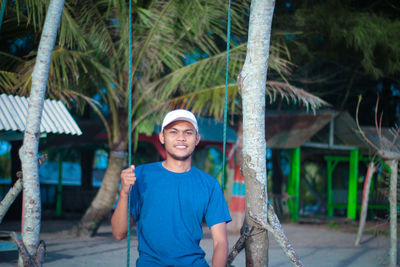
181,136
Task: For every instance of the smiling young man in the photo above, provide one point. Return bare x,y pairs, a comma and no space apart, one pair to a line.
170,200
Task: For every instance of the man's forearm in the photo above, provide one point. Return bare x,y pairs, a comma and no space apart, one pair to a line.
119,219
220,255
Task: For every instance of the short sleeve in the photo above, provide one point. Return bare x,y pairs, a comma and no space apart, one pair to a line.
217,209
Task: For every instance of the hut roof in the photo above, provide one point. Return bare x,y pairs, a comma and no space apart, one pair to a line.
13,112
293,129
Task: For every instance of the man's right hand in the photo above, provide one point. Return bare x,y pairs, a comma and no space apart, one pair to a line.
128,179
120,217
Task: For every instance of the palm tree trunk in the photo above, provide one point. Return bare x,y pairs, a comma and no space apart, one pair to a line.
105,198
29,155
252,83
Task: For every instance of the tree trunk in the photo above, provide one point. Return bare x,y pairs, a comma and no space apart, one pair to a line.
103,202
364,202
105,197
30,168
252,84
393,213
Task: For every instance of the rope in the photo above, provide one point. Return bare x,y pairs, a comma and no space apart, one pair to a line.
228,41
3,8
129,130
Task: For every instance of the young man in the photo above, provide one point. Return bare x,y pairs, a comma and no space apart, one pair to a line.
169,201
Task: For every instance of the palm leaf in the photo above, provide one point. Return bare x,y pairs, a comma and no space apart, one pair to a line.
208,101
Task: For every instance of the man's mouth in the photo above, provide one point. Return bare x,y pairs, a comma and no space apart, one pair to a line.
181,146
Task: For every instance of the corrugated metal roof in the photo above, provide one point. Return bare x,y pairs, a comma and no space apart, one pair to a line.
55,116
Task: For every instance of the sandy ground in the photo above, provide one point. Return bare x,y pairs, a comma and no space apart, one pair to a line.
316,245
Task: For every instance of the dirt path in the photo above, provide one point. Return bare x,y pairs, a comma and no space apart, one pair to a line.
316,245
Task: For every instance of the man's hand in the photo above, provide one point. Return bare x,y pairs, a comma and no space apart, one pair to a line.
128,179
119,219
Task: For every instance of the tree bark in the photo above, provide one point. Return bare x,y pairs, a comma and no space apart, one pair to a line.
28,260
393,212
240,244
252,85
364,202
104,199
30,167
275,227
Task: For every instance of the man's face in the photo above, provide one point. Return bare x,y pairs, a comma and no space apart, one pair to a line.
180,139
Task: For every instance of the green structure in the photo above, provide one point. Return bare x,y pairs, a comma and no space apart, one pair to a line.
290,130
294,184
352,204
336,137
332,162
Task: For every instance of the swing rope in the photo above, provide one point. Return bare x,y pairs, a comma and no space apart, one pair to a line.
228,41
3,8
129,130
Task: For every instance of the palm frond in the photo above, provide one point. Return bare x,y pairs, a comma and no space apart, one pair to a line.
71,34
7,81
101,32
210,101
293,94
179,54
208,72
70,71
35,12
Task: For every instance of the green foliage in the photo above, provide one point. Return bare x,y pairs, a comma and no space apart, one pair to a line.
91,54
92,49
369,39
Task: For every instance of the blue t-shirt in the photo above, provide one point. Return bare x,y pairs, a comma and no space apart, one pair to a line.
169,208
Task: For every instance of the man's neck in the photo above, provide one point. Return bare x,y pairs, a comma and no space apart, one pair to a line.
174,165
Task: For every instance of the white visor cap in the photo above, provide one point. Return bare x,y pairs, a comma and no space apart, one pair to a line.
179,115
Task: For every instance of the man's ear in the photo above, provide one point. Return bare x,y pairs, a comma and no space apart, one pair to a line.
197,139
161,137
